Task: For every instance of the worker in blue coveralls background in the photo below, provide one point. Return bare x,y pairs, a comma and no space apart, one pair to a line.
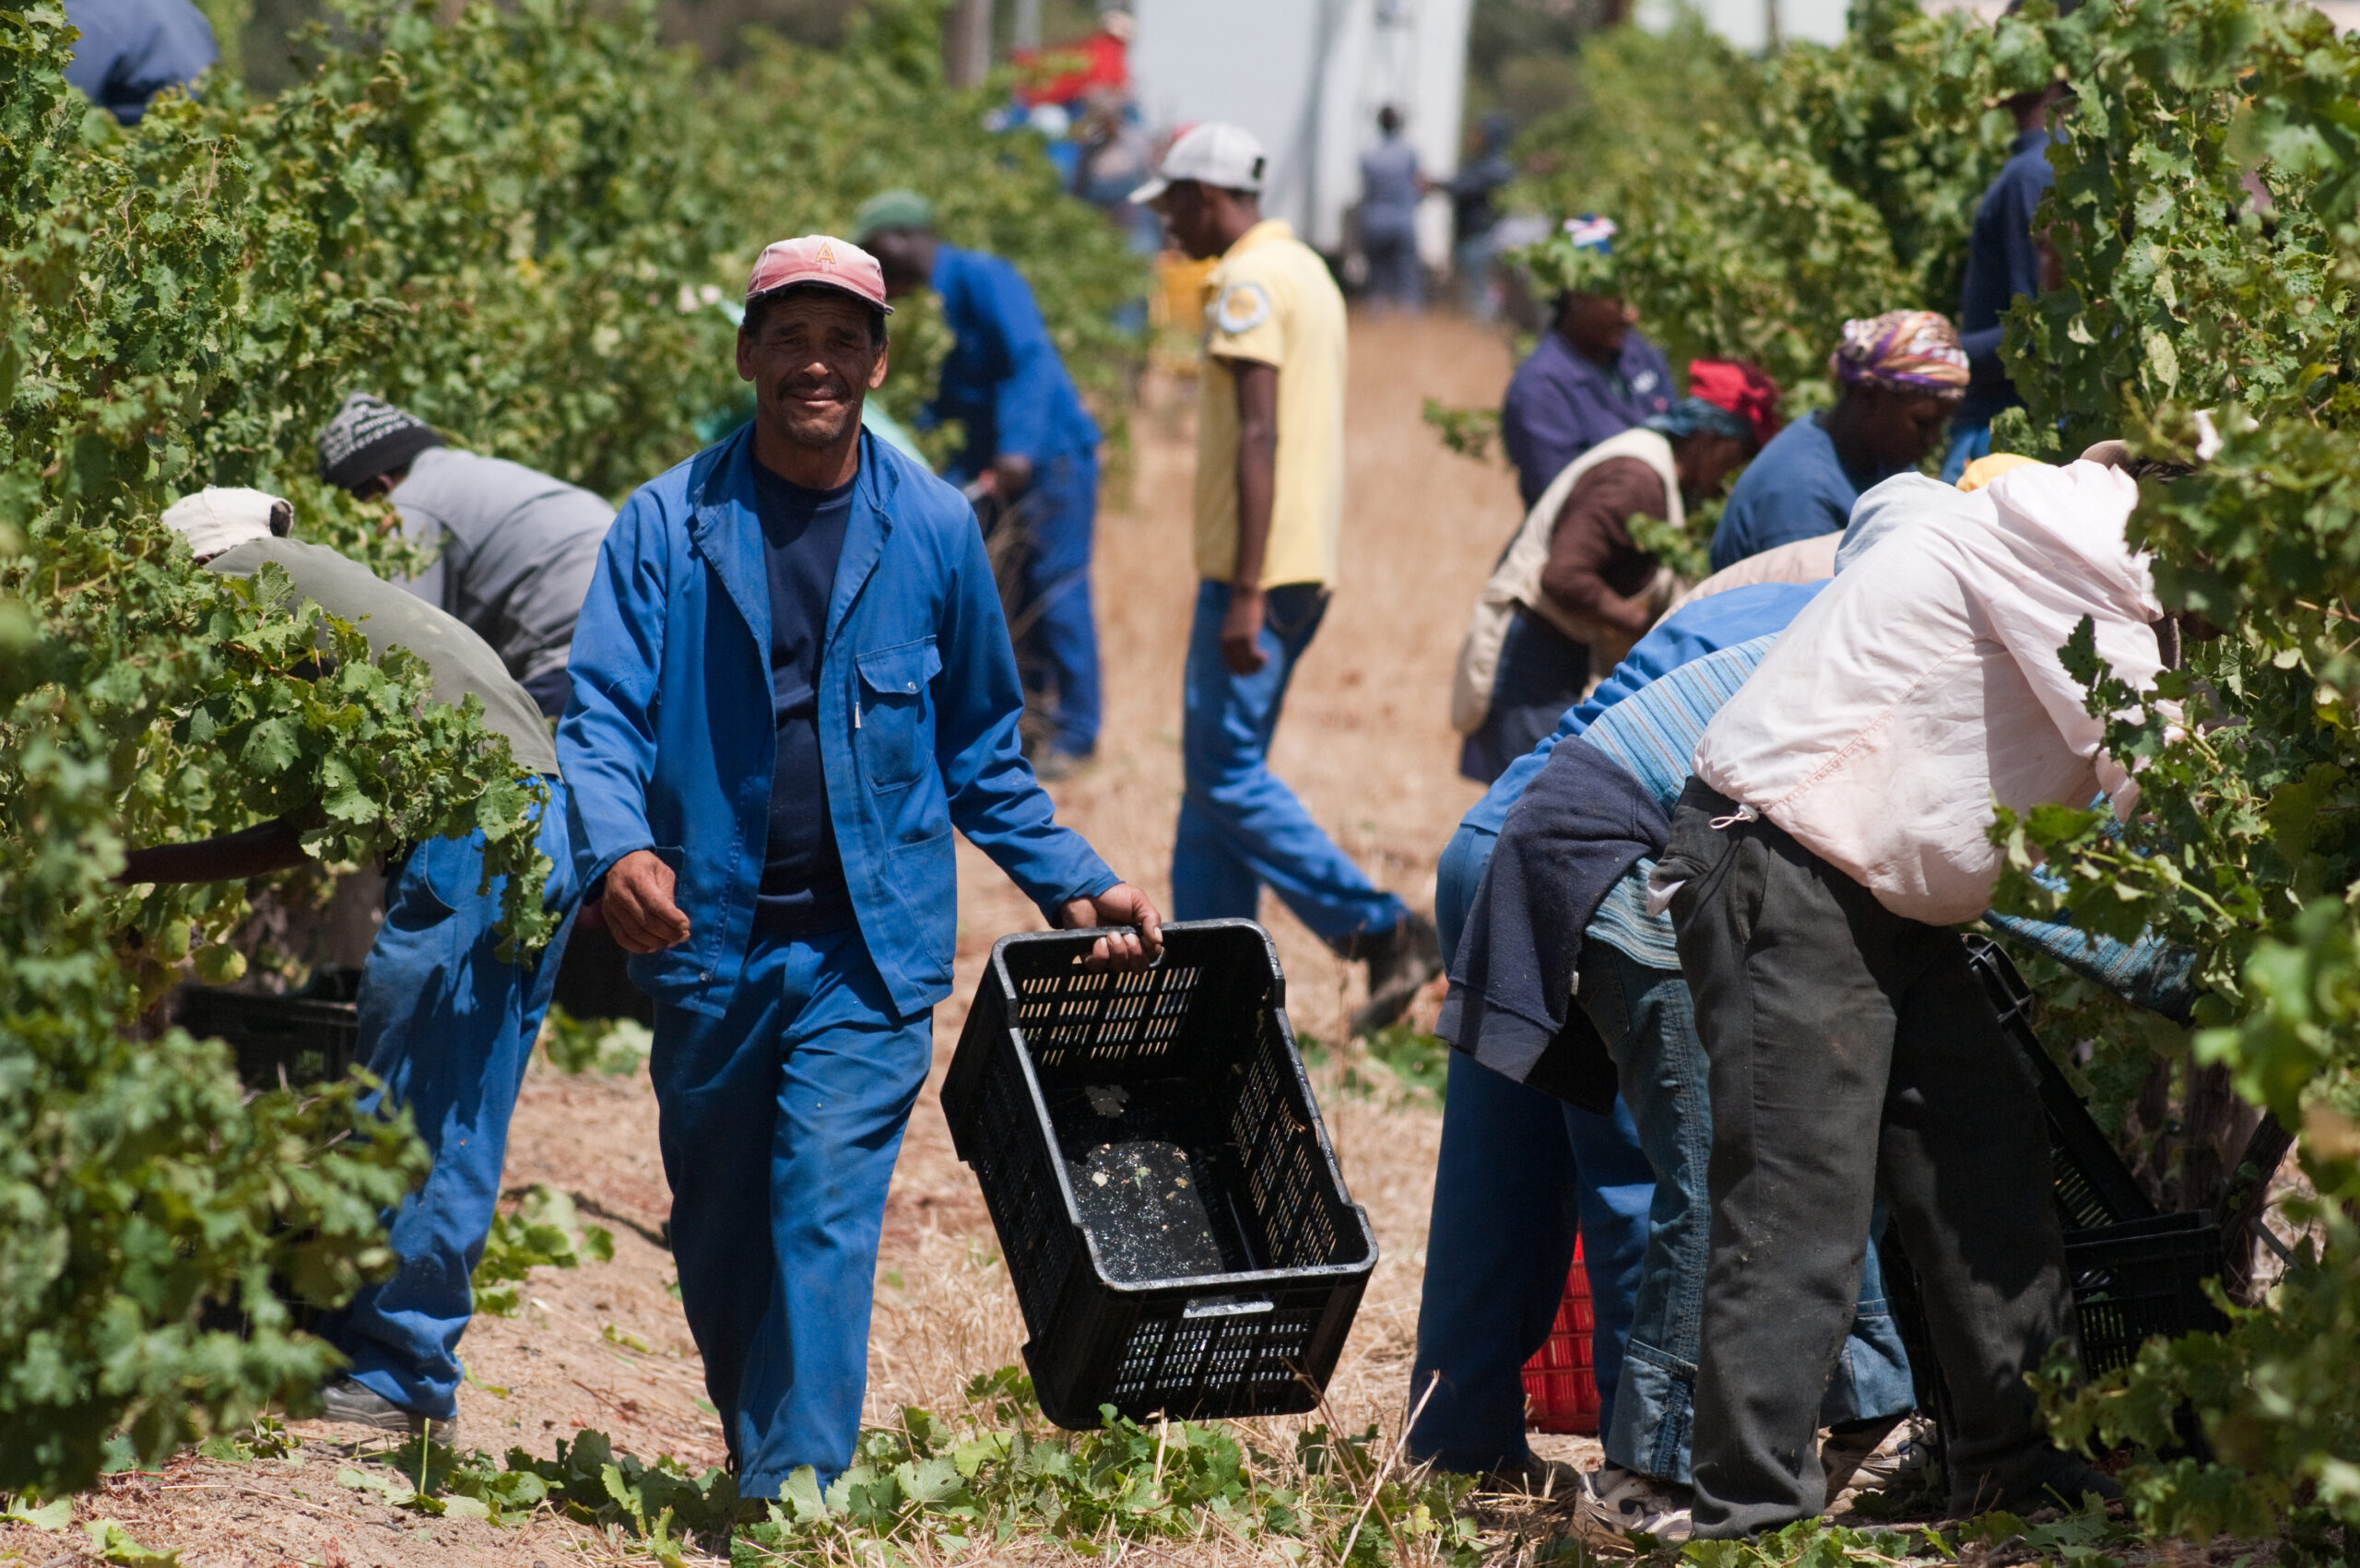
446,1024
1028,439
1592,375
2004,259
132,50
791,681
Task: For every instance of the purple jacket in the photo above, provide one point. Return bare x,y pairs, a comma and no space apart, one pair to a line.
1560,403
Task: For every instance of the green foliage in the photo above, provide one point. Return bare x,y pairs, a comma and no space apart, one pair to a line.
542,1231
933,1486
1467,432
1399,1064
115,1545
515,221
1819,185
2206,221
617,1047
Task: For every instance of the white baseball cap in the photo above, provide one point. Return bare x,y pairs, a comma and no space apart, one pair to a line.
1214,153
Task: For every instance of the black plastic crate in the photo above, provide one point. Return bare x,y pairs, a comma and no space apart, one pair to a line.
2094,1187
303,1037
2133,1282
1174,1220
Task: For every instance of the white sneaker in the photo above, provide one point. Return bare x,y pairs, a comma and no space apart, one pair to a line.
1614,1504
1899,1460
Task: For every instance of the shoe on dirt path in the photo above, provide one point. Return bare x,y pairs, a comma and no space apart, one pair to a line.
1400,962
357,1404
1615,1505
1894,1457
2049,1478
1544,1481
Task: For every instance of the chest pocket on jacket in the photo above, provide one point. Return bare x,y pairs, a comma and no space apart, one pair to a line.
896,736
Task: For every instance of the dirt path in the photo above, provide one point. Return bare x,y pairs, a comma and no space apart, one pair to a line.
1367,744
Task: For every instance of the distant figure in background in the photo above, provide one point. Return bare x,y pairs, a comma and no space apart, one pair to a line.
1574,592
1269,514
132,50
1592,375
1115,159
1029,439
2004,259
1473,217
1901,375
1390,187
518,547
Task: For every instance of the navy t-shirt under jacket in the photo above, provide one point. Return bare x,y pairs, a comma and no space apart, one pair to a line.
803,536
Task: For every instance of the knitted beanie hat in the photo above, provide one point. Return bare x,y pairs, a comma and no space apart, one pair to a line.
370,437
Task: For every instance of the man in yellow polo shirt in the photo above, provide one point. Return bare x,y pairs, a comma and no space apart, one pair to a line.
1270,505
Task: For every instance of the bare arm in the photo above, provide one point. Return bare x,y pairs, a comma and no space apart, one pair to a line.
1257,484
256,851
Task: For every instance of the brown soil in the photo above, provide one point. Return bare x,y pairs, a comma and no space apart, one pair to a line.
1366,742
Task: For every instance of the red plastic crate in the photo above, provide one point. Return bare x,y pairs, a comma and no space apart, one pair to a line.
1560,1389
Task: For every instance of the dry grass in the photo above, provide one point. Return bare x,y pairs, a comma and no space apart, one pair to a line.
1367,744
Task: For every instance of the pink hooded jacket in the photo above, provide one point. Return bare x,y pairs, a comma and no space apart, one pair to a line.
1924,686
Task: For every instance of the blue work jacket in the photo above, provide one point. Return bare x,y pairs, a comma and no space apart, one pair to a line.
669,741
1560,403
1002,379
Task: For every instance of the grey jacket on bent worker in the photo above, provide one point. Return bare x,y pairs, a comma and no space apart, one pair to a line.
519,548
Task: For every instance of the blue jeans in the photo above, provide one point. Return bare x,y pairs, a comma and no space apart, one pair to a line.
448,1029
1520,1173
1240,827
1649,1022
1056,634
1967,443
779,1124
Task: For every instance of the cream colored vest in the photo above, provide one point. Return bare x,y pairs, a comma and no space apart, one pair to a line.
1517,580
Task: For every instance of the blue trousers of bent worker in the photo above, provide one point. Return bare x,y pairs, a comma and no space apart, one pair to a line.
780,1122
1520,1174
1057,630
1648,1021
448,1029
1240,827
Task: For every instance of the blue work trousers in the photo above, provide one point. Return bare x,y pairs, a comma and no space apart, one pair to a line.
1649,1022
1240,827
1055,630
448,1029
1520,1174
779,1122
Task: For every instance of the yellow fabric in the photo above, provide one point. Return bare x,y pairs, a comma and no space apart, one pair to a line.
1983,470
1272,300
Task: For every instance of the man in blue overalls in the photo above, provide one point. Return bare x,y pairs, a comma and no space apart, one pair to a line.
1027,438
791,681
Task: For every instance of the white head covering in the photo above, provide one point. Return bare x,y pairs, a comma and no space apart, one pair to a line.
224,517
1902,499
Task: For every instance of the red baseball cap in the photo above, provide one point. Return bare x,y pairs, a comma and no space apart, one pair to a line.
822,259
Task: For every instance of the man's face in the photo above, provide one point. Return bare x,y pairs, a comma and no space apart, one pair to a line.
811,362
1188,214
1596,324
906,257
1903,427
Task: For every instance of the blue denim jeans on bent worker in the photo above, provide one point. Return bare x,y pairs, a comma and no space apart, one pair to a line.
448,1029
1649,1022
1519,1173
1240,827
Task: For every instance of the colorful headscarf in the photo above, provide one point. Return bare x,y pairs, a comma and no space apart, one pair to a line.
1727,397
1908,350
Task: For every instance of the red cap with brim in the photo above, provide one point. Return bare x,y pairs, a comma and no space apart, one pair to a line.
820,259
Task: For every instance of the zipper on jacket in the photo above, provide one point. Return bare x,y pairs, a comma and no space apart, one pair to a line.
855,712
